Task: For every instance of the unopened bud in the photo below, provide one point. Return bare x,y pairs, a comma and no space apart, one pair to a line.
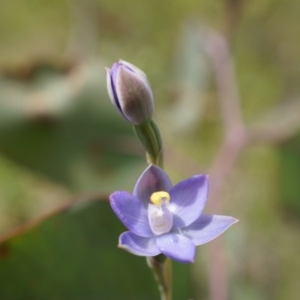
130,92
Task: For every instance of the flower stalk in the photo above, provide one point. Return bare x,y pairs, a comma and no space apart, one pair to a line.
161,267
149,135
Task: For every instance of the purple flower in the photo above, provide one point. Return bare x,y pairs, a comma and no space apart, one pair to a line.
130,92
167,219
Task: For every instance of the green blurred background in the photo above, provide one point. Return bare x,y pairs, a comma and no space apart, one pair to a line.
63,147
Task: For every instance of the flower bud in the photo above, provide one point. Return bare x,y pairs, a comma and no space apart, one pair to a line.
130,92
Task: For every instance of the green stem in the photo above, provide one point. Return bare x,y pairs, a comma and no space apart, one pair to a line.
161,266
149,136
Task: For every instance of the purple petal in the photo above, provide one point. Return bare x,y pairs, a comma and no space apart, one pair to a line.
153,179
207,228
138,245
177,247
114,71
133,68
188,199
131,213
110,81
109,86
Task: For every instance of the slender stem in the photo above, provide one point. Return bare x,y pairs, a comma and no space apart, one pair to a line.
161,266
149,136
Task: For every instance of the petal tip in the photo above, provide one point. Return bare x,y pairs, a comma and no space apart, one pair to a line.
115,194
111,197
123,247
152,166
201,177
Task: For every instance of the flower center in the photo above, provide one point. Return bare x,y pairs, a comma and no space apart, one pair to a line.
158,197
159,216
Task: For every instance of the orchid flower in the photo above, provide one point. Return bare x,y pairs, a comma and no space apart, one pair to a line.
167,219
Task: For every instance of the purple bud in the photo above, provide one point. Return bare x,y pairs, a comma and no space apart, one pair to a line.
130,92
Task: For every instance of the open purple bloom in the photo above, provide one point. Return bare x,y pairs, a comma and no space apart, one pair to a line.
130,92
167,219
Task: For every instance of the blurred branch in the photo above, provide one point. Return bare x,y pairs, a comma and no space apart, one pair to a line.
278,125
282,123
234,140
218,52
79,199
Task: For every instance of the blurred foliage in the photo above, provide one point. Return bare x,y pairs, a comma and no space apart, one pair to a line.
290,176
59,135
61,127
78,258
